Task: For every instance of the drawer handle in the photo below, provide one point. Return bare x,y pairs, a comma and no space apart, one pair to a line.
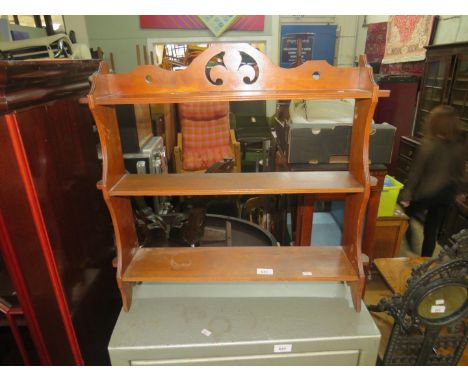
410,152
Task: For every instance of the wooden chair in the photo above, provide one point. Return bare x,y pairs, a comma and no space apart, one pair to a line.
262,210
206,137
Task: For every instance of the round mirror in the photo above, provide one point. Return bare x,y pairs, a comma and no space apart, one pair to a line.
443,302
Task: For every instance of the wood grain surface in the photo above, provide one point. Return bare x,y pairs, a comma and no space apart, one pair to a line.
205,264
237,183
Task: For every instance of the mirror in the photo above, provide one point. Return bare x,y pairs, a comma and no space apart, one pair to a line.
443,302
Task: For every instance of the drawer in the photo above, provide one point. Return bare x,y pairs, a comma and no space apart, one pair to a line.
401,176
332,358
404,164
407,150
403,168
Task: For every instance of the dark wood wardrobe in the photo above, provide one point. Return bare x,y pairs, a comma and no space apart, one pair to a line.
55,233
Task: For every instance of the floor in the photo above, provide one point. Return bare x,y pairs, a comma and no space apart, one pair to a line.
376,289
325,230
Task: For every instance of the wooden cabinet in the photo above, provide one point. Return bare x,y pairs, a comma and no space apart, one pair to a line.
55,232
389,233
445,82
407,153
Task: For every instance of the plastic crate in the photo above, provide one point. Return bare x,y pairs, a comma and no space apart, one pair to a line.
389,196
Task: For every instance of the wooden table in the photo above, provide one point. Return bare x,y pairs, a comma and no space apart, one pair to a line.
397,270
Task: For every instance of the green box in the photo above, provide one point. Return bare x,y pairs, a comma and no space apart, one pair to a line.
389,197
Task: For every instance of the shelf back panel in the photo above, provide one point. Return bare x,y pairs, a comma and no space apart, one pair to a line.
232,72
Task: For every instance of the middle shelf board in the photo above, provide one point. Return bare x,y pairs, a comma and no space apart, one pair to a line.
233,264
323,182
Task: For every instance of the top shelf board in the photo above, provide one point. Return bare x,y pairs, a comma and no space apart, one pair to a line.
243,95
178,97
234,72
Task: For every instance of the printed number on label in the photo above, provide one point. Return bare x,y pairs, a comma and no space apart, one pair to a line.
264,271
438,309
283,348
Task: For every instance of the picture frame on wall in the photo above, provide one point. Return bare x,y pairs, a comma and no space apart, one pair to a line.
291,43
318,43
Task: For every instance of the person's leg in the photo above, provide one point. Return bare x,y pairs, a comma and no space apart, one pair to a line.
432,223
409,231
411,212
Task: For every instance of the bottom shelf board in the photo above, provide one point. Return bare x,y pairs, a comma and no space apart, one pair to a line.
232,264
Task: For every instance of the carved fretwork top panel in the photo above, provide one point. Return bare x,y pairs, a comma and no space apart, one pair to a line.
233,72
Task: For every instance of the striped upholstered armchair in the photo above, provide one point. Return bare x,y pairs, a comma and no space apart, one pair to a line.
206,137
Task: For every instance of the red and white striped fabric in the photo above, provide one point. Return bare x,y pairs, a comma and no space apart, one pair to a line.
202,159
203,111
205,134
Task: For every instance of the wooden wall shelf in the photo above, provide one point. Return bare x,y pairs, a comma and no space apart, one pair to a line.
236,72
237,184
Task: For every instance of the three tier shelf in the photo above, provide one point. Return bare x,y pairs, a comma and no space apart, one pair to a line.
235,72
